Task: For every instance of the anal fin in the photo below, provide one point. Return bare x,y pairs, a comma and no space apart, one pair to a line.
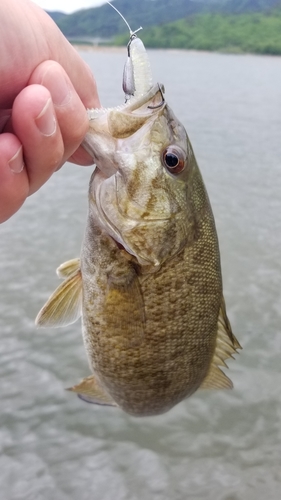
89,390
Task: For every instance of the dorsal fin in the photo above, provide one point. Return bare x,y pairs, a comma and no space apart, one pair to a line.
216,379
226,346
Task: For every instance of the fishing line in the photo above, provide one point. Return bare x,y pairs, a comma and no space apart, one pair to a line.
132,33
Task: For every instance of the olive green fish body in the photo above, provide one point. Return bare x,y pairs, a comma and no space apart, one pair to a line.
150,338
150,327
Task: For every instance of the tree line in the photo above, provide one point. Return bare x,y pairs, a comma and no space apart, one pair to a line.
251,32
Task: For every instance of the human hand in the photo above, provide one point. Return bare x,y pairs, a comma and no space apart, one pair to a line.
45,88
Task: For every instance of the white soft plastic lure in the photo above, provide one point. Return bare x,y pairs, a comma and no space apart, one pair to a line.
137,76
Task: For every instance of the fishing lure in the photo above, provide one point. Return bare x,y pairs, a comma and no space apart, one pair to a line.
137,76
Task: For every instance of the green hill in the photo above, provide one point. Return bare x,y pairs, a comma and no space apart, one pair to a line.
257,33
104,22
220,25
243,6
56,15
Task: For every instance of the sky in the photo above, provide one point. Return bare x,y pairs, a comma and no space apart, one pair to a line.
68,5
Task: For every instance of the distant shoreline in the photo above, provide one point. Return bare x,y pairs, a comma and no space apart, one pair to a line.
117,48
98,48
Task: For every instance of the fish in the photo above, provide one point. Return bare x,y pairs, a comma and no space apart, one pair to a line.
148,283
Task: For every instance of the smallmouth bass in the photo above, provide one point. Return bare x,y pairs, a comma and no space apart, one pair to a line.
148,282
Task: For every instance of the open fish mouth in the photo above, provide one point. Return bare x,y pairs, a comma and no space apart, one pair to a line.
107,126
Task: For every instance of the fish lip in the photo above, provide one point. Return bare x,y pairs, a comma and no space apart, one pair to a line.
137,102
132,104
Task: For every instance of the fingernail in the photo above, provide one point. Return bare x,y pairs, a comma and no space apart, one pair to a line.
16,162
46,121
59,88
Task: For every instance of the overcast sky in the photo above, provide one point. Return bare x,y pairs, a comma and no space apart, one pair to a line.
68,5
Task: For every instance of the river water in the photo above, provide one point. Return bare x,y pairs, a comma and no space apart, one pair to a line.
216,445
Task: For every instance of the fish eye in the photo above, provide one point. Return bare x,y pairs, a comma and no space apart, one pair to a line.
173,159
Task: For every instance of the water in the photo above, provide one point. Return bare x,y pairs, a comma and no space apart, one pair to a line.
216,445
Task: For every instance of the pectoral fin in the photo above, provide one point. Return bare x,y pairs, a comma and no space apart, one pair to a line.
65,304
89,390
68,268
226,346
